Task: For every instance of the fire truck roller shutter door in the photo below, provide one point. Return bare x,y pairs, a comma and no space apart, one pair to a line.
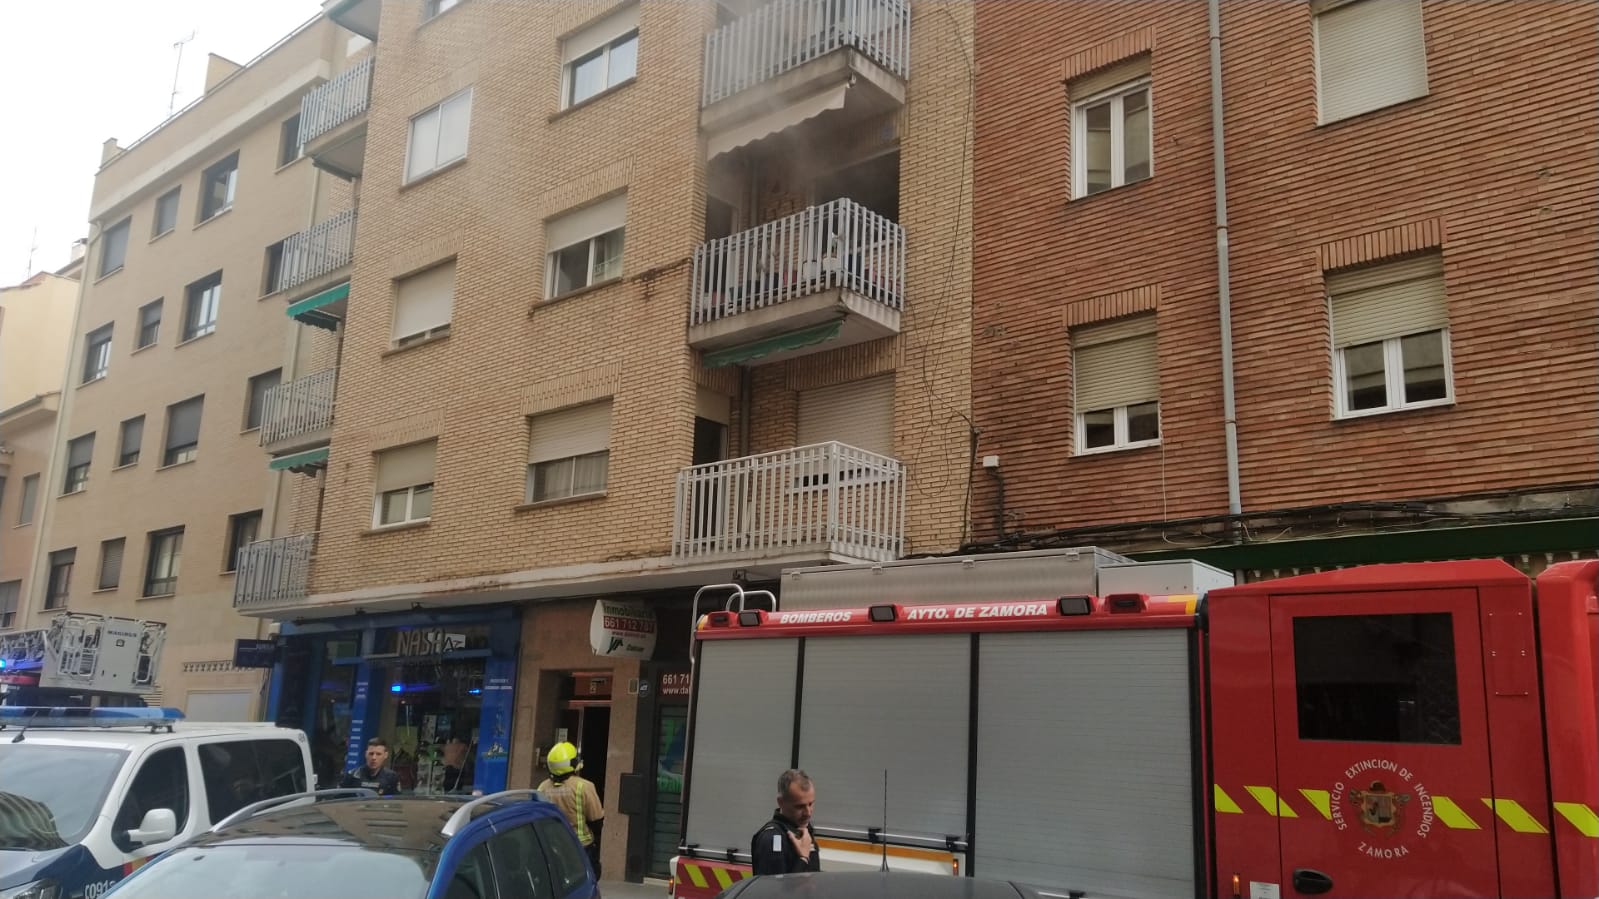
899,703
740,748
1089,733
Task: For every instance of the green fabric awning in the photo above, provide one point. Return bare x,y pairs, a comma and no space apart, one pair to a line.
314,310
791,341
297,461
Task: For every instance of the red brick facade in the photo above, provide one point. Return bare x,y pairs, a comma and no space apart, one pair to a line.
1495,167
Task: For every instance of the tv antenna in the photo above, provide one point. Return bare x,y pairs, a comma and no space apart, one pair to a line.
32,248
172,101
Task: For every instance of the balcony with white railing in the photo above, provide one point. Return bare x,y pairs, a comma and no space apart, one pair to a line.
333,121
298,415
827,502
274,573
318,257
829,276
790,60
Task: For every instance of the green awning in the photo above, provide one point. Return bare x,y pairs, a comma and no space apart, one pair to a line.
314,310
297,461
790,341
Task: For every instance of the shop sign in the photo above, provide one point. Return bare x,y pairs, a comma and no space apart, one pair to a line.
621,629
254,653
675,684
427,642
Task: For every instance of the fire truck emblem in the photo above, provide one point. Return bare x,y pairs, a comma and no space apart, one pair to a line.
1381,809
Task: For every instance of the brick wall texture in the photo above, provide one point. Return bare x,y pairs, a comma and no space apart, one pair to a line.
1495,167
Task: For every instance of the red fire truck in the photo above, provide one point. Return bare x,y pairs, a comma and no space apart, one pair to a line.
1425,729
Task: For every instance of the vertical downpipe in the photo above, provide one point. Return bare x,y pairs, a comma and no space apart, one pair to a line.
1218,150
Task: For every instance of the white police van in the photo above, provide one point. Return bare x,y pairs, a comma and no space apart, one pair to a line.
87,795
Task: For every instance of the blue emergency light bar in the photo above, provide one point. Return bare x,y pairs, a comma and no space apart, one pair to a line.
84,716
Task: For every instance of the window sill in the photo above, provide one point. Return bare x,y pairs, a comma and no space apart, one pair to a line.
1368,114
381,529
588,101
426,341
184,343
83,384
104,590
563,501
430,175
133,464
596,287
62,496
254,430
109,274
19,526
1108,450
426,22
1122,191
156,237
290,164
216,215
1394,410
139,349
228,573
177,465
159,595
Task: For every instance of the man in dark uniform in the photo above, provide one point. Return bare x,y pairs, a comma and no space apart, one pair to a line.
786,844
376,773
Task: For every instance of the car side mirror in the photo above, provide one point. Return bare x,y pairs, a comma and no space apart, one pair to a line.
158,826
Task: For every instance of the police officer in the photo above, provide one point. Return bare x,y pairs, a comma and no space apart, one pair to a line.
376,773
576,797
787,844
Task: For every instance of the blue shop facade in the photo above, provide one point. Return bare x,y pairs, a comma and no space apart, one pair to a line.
417,679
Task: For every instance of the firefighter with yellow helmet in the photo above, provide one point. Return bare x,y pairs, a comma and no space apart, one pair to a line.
577,798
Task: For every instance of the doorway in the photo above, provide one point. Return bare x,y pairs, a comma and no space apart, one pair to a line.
585,722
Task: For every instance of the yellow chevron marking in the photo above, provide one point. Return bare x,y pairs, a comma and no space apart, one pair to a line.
722,877
696,876
1269,800
1321,799
1225,803
1511,812
1581,817
1452,815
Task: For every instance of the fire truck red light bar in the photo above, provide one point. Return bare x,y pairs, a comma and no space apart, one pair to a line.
883,613
1125,602
720,619
750,618
1075,605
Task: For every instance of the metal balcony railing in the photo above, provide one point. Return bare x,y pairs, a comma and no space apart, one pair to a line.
325,247
827,496
274,572
338,101
302,406
839,244
786,34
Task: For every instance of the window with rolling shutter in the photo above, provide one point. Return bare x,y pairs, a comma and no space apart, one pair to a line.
404,487
80,452
423,304
1116,384
1112,129
855,413
569,453
1369,54
585,246
1390,336
183,431
600,57
110,564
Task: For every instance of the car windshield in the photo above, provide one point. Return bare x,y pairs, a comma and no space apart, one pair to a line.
50,795
279,870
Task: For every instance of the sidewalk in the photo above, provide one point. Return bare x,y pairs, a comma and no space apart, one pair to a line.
621,889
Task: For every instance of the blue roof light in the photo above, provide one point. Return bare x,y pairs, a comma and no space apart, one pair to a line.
82,716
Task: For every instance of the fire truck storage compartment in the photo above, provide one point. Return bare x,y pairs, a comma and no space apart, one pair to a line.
1085,774
1084,756
1037,574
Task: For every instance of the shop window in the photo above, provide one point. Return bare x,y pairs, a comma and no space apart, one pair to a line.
162,782
245,771
1377,678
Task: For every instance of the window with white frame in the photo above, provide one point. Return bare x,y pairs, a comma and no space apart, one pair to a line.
183,431
114,247
80,452
438,136
217,185
600,56
1116,384
404,486
423,303
201,301
1390,329
569,452
97,354
1369,54
164,561
1113,141
585,246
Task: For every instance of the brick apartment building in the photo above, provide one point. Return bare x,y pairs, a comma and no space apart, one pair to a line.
636,297
1410,278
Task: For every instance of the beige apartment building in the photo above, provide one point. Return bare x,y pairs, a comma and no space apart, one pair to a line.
158,478
35,321
637,297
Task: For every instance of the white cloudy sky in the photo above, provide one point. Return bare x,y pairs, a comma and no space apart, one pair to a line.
75,72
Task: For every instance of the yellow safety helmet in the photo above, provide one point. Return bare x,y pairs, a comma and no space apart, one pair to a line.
563,759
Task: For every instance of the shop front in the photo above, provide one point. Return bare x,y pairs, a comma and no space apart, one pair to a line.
436,686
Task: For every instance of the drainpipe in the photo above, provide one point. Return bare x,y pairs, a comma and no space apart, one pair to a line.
1218,150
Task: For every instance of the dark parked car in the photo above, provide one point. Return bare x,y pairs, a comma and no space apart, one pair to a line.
352,844
881,885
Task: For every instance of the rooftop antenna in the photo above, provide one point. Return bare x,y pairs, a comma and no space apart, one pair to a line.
32,248
172,102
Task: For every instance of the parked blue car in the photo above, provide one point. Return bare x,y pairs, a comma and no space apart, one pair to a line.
353,844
